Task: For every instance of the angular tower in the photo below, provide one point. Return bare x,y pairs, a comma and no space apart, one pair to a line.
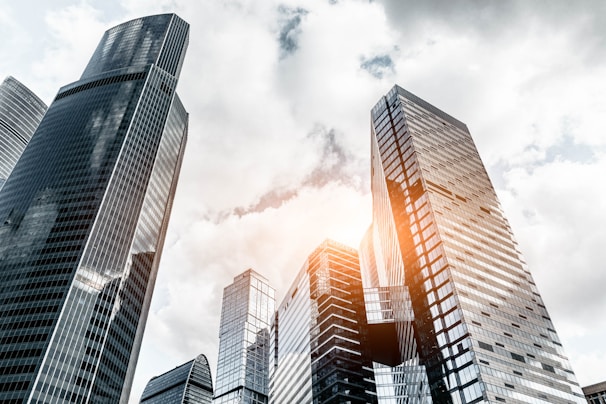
190,383
321,352
83,218
246,314
481,330
20,113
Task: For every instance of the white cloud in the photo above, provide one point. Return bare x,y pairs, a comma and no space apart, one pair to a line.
528,81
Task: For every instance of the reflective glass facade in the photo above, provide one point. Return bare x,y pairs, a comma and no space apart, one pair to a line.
83,218
290,379
482,331
400,376
190,383
319,337
20,113
246,314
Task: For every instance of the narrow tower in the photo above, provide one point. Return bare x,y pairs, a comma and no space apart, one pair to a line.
83,218
246,314
481,329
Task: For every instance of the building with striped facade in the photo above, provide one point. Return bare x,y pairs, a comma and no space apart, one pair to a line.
83,218
190,383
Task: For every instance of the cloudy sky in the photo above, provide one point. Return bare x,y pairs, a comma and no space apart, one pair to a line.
279,94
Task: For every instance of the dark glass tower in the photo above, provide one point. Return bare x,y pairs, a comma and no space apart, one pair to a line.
190,383
246,314
481,330
319,337
83,218
20,113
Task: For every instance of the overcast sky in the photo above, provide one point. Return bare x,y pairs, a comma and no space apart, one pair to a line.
279,95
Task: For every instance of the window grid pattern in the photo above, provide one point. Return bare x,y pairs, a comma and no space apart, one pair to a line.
320,341
243,364
595,393
484,332
142,42
383,267
20,113
82,230
188,383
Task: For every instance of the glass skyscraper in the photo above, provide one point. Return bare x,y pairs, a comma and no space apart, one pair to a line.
320,341
481,330
595,393
190,383
83,218
246,315
290,379
20,113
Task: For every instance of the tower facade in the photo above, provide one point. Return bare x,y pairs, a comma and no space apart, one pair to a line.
246,314
320,343
20,113
400,376
190,383
83,219
481,330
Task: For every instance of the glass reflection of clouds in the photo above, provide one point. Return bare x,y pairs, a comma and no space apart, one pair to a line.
83,219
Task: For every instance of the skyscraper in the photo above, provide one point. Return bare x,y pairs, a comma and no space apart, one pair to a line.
83,218
321,352
246,315
482,332
20,113
190,383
